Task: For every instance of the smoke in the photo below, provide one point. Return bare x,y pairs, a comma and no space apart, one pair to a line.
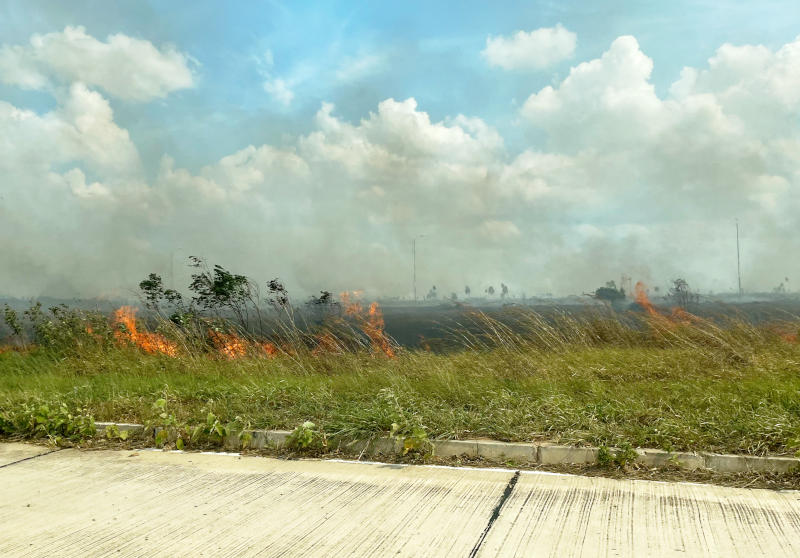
627,182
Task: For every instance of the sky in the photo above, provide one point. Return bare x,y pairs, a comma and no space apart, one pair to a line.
551,146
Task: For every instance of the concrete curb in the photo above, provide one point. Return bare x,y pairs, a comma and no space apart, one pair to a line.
542,454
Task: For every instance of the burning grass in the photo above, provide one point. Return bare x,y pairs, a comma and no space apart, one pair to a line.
657,379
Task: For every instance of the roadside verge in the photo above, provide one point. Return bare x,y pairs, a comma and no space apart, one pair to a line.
519,453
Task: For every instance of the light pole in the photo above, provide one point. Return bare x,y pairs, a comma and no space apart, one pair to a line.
414,263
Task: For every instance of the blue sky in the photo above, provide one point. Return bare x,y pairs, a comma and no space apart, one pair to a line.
261,71
429,51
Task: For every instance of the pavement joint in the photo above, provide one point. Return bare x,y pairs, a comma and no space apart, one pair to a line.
29,458
495,513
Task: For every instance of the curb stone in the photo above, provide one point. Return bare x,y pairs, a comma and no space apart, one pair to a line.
660,458
543,454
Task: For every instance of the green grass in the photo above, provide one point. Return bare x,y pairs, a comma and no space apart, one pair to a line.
738,392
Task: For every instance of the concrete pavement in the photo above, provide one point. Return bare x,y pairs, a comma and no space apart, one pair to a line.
152,503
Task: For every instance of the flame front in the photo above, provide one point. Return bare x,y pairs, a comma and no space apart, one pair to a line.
125,331
371,322
229,345
641,298
375,330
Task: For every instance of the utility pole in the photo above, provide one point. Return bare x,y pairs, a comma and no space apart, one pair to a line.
414,266
414,263
738,260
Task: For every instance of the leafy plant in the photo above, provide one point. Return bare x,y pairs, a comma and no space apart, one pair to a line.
415,439
54,421
406,427
114,433
213,430
621,458
68,330
306,437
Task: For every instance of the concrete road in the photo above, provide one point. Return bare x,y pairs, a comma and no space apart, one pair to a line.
151,503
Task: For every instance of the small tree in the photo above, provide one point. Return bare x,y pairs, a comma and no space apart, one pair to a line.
216,289
467,290
12,321
155,294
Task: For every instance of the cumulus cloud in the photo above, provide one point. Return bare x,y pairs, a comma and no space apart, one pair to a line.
626,181
713,149
125,67
531,50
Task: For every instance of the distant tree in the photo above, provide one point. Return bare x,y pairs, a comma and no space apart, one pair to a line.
432,294
680,294
453,296
324,304
325,297
609,293
503,290
490,290
467,290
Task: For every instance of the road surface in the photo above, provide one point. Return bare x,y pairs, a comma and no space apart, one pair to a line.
151,503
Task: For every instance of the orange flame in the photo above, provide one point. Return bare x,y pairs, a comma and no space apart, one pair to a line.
371,322
269,349
352,307
229,344
126,332
374,330
684,317
640,290
326,344
678,315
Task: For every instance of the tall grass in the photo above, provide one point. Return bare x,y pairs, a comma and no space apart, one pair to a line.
677,382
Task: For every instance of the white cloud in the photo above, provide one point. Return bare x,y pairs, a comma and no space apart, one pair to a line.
280,91
125,67
628,182
81,129
358,67
535,50
609,99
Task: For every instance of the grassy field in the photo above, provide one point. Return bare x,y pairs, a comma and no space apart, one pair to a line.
671,383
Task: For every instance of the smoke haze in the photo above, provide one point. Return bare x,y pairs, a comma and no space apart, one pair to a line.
594,171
